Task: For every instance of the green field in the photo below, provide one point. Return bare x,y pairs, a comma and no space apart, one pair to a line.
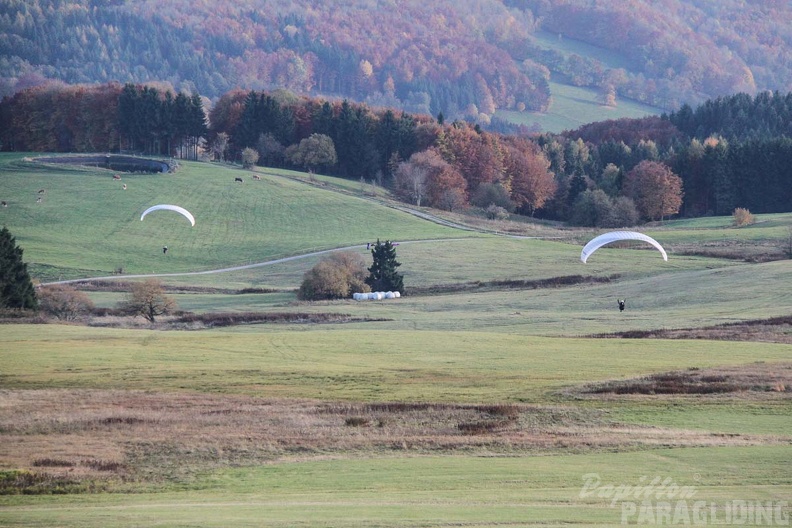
467,402
428,491
575,106
86,225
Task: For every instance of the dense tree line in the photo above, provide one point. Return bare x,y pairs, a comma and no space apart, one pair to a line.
465,59
103,118
612,173
157,122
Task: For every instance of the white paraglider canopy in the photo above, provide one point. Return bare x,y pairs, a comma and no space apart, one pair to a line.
167,207
615,236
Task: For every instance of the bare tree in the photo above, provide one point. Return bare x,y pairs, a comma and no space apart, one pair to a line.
148,299
64,302
411,182
220,145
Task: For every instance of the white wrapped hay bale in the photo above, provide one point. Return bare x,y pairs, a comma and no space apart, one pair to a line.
389,295
396,294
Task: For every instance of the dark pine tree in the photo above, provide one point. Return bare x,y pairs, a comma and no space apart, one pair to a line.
197,124
127,108
16,288
382,273
387,140
718,166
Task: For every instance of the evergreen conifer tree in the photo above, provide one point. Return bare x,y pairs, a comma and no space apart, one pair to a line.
16,288
382,273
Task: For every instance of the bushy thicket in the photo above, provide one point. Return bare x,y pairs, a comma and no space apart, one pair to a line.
335,277
742,217
64,302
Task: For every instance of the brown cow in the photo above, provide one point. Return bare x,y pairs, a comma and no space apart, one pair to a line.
116,177
256,177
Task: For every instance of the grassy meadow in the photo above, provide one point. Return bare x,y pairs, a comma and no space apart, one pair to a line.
88,225
574,106
483,397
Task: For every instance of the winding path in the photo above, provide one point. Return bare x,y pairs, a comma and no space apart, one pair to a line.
209,272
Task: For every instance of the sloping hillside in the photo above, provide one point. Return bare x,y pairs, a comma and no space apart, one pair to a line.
87,224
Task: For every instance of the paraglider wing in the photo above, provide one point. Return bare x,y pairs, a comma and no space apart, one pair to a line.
614,236
167,207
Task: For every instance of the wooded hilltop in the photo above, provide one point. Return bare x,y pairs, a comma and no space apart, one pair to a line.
463,58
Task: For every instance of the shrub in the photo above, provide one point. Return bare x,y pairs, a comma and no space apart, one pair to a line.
742,217
249,157
148,299
336,277
315,151
624,212
64,302
594,208
496,212
488,194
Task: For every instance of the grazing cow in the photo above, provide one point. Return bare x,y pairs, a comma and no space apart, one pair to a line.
125,186
41,191
256,177
38,200
164,250
4,203
621,304
116,177
240,180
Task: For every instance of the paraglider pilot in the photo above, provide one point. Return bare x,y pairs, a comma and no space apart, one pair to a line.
621,305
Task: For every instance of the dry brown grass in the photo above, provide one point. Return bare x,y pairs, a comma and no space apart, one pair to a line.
773,330
85,437
125,286
480,286
753,251
192,321
744,380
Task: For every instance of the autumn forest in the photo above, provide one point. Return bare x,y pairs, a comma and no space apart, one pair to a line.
404,95
466,59
730,152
